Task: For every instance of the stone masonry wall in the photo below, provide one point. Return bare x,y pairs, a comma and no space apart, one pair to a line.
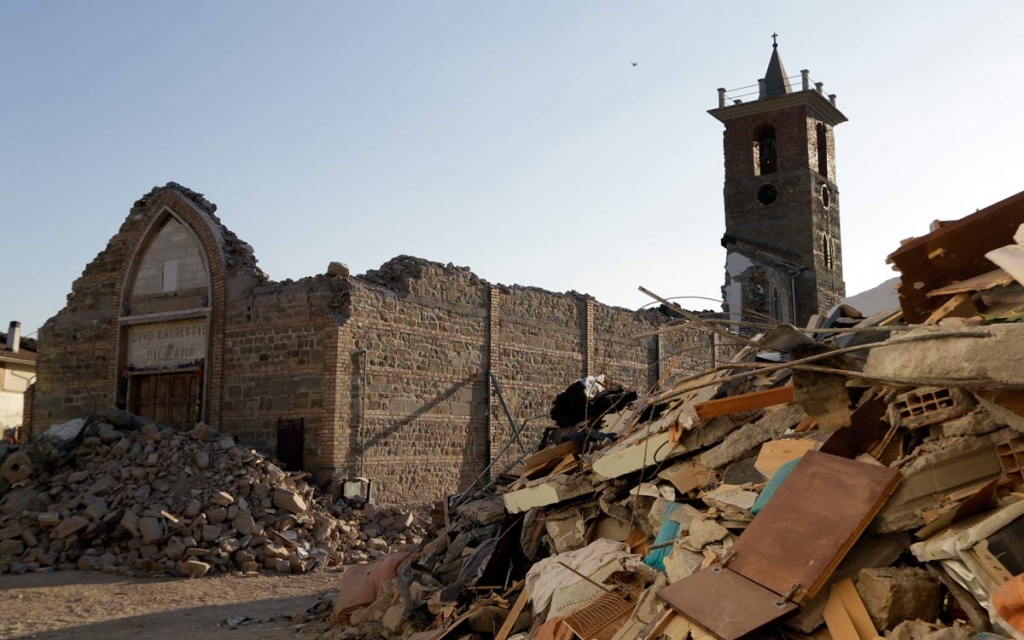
418,429
422,426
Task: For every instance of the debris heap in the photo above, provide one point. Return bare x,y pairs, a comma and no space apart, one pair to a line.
118,494
859,477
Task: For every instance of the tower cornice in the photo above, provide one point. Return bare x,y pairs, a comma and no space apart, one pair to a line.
822,106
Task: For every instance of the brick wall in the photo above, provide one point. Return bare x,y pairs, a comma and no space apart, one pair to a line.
280,346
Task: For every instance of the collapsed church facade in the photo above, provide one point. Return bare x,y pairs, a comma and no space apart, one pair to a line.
393,375
411,375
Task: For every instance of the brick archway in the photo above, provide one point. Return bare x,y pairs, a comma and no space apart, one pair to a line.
158,207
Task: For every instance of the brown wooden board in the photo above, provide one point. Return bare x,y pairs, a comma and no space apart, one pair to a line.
744,402
724,603
953,253
866,426
811,522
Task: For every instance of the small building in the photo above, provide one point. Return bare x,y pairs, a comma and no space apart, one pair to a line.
17,373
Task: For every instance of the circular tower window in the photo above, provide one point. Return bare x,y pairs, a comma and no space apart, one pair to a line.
767,194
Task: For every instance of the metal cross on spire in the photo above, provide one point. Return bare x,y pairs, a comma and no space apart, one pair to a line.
774,43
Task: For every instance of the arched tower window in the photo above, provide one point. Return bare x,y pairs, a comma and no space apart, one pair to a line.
822,136
765,156
826,251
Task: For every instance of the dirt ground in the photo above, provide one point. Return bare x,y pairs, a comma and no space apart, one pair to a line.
83,605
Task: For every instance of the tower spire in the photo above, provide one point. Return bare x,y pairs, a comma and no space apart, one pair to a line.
775,81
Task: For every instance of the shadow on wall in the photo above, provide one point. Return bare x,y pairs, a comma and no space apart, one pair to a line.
473,458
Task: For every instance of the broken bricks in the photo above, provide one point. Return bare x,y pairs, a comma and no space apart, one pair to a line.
107,503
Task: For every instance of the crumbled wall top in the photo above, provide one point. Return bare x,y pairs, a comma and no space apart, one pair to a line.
398,272
238,255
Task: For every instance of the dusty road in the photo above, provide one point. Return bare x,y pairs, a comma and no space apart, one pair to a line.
81,605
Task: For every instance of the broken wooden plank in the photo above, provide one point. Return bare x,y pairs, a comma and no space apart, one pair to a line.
966,241
959,306
845,614
546,460
744,402
517,609
984,282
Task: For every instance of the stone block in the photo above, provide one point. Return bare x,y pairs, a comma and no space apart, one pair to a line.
69,526
151,530
211,532
893,595
11,531
11,548
289,500
193,568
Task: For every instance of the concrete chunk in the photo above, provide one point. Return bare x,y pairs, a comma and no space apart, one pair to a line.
738,443
988,360
550,490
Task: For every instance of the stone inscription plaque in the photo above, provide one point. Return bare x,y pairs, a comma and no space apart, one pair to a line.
166,344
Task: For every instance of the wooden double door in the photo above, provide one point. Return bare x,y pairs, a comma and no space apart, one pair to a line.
168,398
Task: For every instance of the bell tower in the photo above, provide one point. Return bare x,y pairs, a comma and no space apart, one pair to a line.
784,258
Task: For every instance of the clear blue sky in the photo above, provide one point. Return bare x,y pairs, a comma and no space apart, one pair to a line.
511,137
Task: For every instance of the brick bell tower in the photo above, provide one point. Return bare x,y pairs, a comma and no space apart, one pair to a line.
784,258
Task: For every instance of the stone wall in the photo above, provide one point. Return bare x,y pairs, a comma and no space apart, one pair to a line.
425,420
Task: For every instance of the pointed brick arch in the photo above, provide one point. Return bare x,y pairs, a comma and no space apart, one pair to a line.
156,208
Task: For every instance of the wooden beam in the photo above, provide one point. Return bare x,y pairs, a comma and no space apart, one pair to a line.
744,402
959,306
517,608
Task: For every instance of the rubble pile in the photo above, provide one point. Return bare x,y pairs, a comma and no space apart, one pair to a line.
118,494
856,478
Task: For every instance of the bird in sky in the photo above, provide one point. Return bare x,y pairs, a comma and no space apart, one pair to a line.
634,63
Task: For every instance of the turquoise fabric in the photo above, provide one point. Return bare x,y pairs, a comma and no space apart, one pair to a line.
773,485
668,531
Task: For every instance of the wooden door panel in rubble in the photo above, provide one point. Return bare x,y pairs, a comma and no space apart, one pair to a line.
811,522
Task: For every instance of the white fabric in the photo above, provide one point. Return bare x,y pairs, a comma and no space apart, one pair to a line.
548,575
